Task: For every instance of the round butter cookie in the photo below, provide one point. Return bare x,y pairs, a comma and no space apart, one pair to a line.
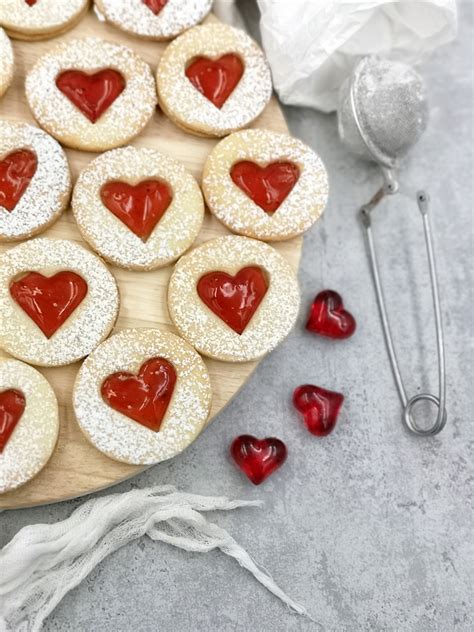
35,182
154,19
29,423
91,94
233,298
6,62
265,185
138,208
58,301
213,80
40,19
142,396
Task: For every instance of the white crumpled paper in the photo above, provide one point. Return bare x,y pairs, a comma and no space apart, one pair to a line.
312,45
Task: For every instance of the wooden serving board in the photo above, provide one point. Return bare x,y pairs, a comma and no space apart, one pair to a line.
76,467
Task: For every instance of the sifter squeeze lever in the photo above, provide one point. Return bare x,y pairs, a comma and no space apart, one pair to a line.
382,113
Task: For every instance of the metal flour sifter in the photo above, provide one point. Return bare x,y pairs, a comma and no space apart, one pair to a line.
382,113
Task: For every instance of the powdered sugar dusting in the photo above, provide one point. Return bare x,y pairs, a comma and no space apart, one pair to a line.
34,437
174,233
126,116
122,438
47,195
87,326
44,16
270,324
185,104
6,65
175,17
303,206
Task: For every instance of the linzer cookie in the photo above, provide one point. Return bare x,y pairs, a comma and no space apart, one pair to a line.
142,396
58,301
154,19
35,183
6,62
29,423
91,94
213,80
265,185
233,298
40,19
138,208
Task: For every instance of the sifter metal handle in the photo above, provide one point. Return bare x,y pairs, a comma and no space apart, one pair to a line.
408,404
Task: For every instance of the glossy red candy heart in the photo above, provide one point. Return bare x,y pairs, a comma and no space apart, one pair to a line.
12,407
144,397
16,172
258,458
30,3
91,94
319,407
235,299
216,79
49,301
266,186
155,5
140,207
329,318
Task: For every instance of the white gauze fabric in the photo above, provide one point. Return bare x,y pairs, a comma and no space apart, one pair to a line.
45,561
313,45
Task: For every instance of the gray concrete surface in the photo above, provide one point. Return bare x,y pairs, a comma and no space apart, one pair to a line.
370,528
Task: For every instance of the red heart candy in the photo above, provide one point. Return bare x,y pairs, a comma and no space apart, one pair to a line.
234,299
215,78
258,458
143,397
91,94
329,318
30,3
49,301
319,407
154,5
12,407
16,172
266,186
140,207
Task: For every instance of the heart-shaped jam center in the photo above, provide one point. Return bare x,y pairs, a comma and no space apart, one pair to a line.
155,5
143,397
267,186
140,207
49,301
91,94
329,318
16,172
235,299
12,407
30,3
319,407
258,458
216,79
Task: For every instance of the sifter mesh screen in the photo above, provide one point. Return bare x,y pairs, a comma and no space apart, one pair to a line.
388,100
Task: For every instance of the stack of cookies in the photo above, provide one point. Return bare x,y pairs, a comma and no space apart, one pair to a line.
143,394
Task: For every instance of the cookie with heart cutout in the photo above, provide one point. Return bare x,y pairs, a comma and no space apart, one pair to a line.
6,62
233,298
35,182
213,80
142,396
58,301
91,94
29,423
40,19
154,19
265,185
138,208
